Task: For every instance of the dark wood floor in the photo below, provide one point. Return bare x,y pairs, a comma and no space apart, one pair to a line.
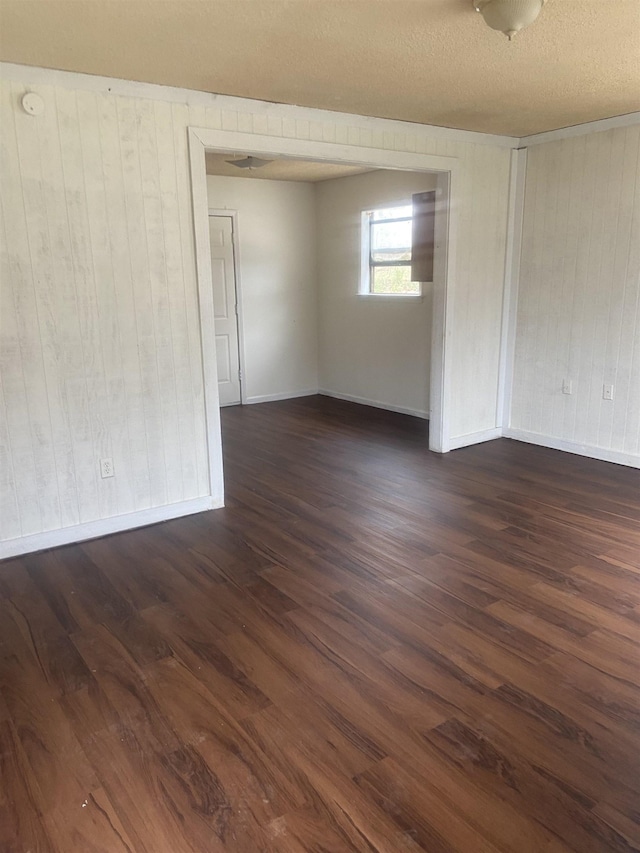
372,648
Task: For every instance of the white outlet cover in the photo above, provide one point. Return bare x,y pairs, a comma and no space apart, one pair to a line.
106,468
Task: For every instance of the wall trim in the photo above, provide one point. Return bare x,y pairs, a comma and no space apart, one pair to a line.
35,76
590,450
625,120
443,299
375,404
285,395
212,139
103,526
200,224
515,219
471,438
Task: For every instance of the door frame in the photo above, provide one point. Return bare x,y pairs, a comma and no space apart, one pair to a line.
447,169
233,215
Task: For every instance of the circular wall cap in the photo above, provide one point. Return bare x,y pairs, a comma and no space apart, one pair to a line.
32,104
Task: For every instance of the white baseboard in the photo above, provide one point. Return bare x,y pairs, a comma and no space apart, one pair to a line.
470,438
376,404
287,395
590,450
103,526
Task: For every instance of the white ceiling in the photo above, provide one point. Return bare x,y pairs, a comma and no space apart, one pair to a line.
281,170
428,61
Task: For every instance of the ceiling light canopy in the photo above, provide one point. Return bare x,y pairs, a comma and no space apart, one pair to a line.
249,163
509,16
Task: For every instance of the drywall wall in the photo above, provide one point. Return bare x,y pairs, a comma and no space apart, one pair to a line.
101,352
372,348
579,295
277,265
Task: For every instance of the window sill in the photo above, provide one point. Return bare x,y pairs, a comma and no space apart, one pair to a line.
392,297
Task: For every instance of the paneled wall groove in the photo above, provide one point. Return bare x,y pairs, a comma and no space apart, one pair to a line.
108,164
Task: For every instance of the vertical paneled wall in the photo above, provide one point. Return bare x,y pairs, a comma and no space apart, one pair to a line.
99,320
477,310
578,309
99,315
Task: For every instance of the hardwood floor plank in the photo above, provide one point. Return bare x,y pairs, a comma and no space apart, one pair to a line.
480,621
193,645
626,557
304,830
409,804
603,693
353,816
619,580
499,769
144,781
567,755
506,583
441,824
60,777
259,786
28,627
600,616
372,679
21,819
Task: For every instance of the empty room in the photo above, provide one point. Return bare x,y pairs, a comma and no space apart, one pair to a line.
319,426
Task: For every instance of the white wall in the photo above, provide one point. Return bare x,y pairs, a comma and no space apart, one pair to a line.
277,248
373,349
100,336
99,318
579,295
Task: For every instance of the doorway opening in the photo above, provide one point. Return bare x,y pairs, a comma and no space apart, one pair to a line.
439,174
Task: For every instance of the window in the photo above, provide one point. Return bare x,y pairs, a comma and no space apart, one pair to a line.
386,234
392,243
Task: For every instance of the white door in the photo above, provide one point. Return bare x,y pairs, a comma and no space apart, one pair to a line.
223,277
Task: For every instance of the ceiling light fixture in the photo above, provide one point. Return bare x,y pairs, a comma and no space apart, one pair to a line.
249,163
509,16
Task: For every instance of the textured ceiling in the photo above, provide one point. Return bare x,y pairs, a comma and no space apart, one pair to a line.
429,61
281,170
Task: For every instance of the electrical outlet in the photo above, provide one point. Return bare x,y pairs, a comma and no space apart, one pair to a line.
567,387
106,468
607,392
